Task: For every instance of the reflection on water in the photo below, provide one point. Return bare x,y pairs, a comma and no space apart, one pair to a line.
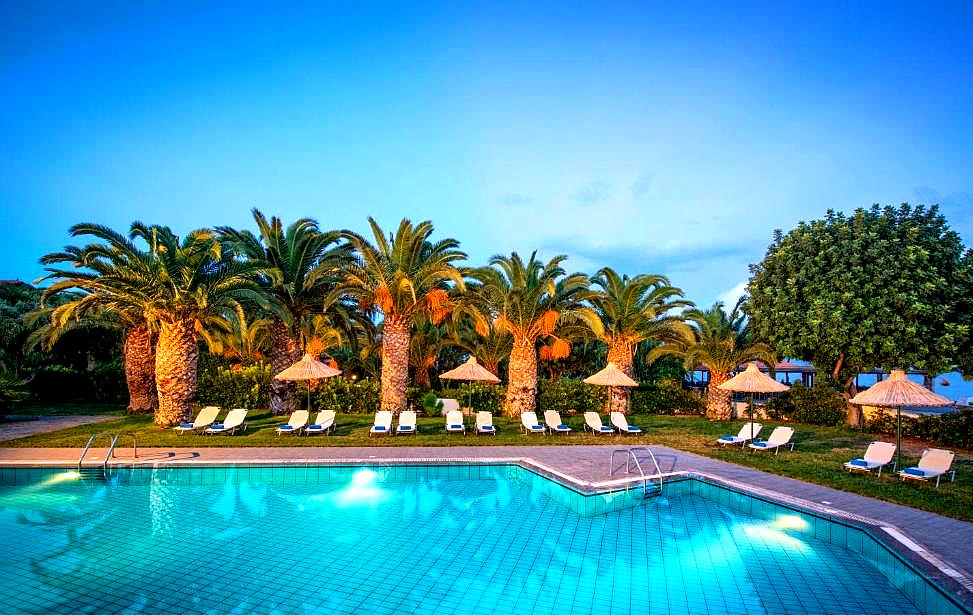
246,544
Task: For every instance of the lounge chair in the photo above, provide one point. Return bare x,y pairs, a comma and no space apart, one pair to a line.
554,422
621,423
877,455
323,423
235,419
203,420
529,423
407,422
743,437
592,422
454,422
484,423
296,424
780,436
383,424
933,464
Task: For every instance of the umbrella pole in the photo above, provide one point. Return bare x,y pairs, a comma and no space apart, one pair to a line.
898,437
751,416
309,396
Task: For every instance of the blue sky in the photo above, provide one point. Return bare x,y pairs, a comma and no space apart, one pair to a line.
648,137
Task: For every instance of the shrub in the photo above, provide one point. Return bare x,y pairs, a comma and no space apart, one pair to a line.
58,384
431,405
12,391
477,395
953,429
666,397
347,396
817,405
233,387
570,396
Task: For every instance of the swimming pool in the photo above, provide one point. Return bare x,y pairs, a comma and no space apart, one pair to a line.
426,539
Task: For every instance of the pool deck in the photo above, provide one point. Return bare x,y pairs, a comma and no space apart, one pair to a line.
938,545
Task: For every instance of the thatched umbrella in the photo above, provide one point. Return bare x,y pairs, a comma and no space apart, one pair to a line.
751,380
470,371
895,392
611,377
308,368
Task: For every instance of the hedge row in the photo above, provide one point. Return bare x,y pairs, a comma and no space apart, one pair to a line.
57,384
954,429
817,405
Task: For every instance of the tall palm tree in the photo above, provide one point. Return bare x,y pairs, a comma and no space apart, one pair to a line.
196,282
298,271
530,300
116,279
721,342
490,347
632,311
405,277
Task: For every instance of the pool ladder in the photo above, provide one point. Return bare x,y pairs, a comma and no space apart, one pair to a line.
100,472
632,461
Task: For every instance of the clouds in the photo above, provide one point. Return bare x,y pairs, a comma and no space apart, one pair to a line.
593,193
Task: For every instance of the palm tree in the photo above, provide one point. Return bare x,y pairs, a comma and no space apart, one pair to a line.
299,269
116,279
632,311
530,301
489,348
240,341
721,342
197,281
406,277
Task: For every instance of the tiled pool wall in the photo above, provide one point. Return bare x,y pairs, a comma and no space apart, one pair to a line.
928,596
923,592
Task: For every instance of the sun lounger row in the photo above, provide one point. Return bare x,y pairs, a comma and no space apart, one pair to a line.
206,422
483,423
934,463
747,436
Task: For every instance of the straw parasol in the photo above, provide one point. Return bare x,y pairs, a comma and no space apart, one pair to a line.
895,392
308,368
470,371
611,377
751,380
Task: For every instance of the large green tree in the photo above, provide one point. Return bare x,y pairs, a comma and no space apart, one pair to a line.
407,278
886,287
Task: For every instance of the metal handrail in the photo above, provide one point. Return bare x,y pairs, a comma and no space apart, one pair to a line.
111,450
631,459
88,446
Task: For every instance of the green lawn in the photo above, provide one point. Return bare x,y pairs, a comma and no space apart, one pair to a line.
817,458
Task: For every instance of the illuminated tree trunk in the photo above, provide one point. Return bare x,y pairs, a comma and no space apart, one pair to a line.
395,363
284,352
175,371
717,400
622,355
522,379
139,356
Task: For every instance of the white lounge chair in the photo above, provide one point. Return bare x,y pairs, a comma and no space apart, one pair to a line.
382,425
296,424
407,423
933,464
554,422
877,455
529,423
323,423
484,423
454,422
593,423
235,419
203,420
743,437
780,436
621,423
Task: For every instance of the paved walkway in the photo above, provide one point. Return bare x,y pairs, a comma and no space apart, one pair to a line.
44,424
940,545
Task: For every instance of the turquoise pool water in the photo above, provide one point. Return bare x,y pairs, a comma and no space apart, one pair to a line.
459,539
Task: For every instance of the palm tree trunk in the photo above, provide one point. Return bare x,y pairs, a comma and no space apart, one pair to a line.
175,371
718,400
395,363
284,352
522,379
422,377
622,354
138,354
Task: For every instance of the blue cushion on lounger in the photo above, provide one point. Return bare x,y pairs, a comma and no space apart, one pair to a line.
760,444
563,426
536,427
314,427
486,427
914,471
859,462
187,425
603,428
405,427
727,438
285,427
379,428
630,428
216,426
456,427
